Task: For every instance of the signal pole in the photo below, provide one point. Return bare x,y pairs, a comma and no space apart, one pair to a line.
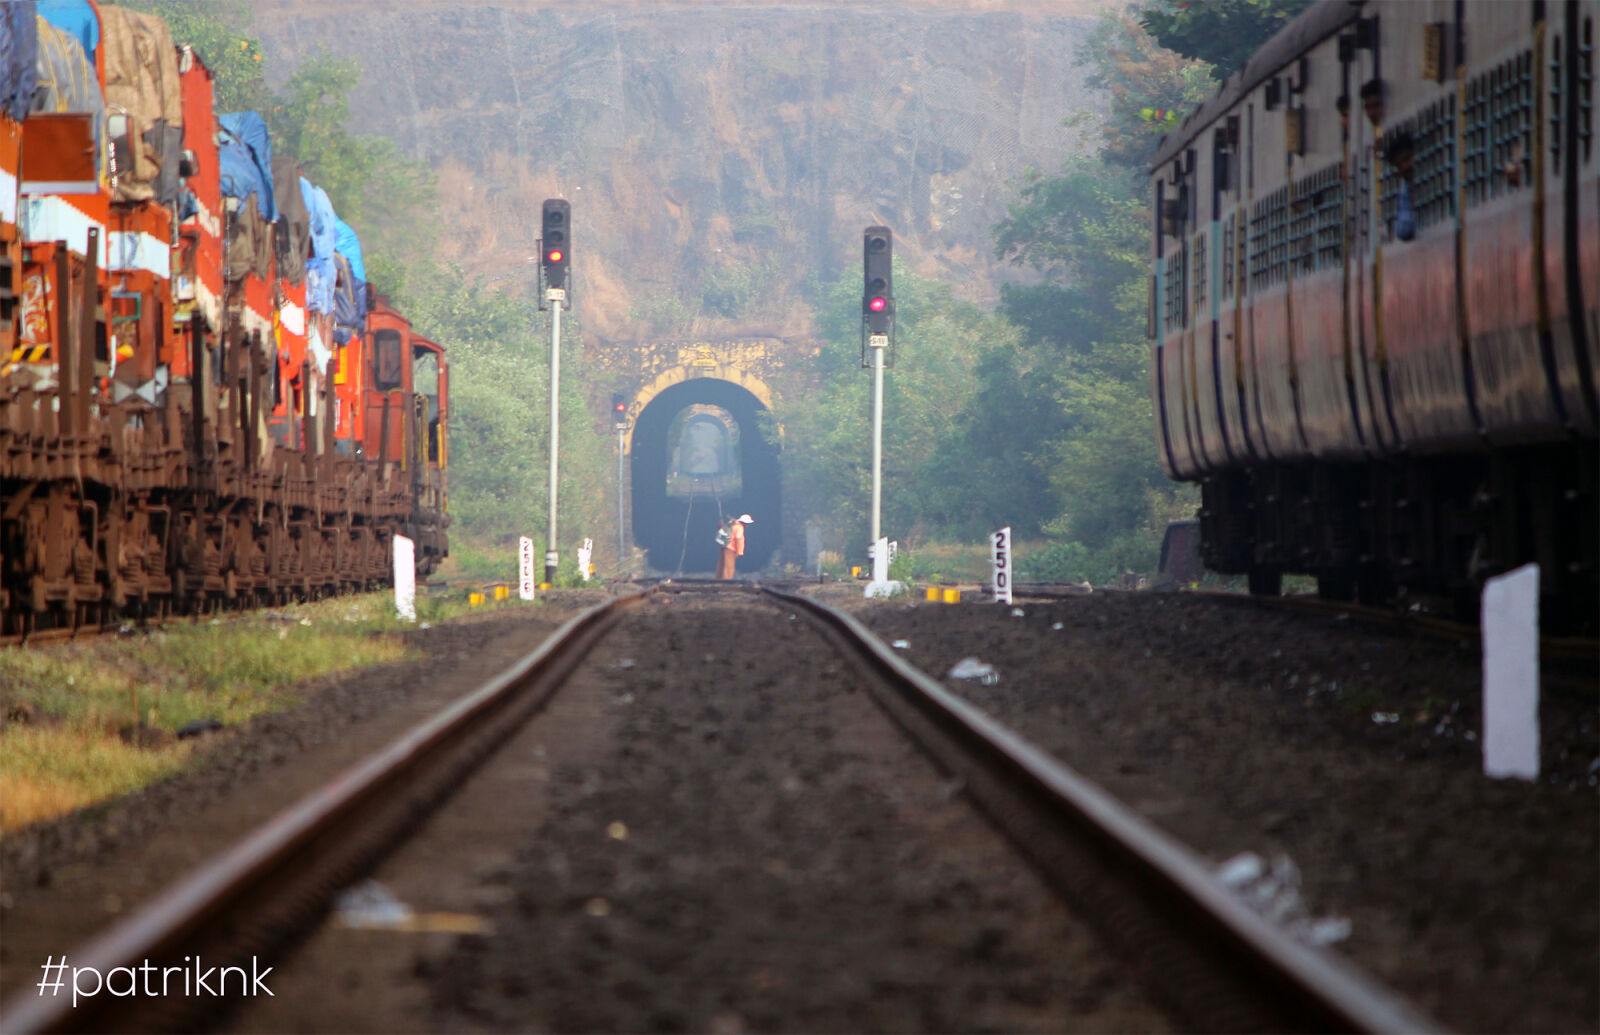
552,556
877,438
619,417
556,259
877,332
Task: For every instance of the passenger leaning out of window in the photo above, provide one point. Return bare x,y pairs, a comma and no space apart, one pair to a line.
1401,154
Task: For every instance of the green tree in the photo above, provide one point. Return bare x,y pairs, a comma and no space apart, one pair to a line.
926,393
215,29
499,421
1149,86
1222,33
369,183
1084,232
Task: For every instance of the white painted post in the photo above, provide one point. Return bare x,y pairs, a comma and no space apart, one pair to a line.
525,568
555,296
585,552
1510,624
1000,554
881,585
405,578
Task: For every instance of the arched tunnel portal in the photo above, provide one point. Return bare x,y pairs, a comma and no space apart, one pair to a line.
701,451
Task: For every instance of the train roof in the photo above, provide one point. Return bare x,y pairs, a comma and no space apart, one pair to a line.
1314,25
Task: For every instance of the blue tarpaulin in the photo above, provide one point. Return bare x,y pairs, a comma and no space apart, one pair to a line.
76,18
349,303
246,160
350,247
19,50
66,79
320,269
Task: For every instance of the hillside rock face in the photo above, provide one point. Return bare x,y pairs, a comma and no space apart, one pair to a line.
716,157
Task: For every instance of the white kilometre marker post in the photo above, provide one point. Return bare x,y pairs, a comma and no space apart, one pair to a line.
525,568
405,578
1000,555
1510,623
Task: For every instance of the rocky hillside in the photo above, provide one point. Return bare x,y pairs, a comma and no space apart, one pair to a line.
716,155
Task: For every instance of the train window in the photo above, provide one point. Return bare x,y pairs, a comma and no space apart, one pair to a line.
390,371
1156,214
1557,127
1240,258
425,372
1361,202
1202,260
1150,311
1177,282
1422,150
1226,267
1586,89
1269,239
1317,221
1499,130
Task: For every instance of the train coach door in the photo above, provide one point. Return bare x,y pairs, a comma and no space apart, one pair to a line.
386,403
1358,50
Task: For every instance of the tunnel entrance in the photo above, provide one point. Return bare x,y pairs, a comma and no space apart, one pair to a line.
701,452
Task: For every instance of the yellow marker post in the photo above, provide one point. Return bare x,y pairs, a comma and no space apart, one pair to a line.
502,592
474,599
934,594
952,596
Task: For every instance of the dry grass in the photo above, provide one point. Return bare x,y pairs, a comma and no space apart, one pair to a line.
69,711
48,771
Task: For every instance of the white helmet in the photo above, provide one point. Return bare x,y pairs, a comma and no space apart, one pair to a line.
747,519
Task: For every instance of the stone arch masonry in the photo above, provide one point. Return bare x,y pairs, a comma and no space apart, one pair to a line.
773,370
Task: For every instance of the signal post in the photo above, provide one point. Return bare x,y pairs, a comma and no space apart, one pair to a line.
555,258
877,342
619,420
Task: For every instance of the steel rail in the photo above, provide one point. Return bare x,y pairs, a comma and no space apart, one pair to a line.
259,893
1214,961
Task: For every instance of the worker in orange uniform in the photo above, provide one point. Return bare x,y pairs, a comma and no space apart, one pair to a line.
733,549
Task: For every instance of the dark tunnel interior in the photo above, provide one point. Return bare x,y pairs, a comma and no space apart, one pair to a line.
678,529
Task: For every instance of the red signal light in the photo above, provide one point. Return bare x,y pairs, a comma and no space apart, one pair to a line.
554,256
877,305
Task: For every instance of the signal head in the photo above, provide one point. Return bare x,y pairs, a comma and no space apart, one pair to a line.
877,264
557,253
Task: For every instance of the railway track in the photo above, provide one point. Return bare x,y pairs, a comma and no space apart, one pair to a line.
1217,965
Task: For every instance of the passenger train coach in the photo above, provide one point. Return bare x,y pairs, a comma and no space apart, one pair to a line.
202,400
1373,312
